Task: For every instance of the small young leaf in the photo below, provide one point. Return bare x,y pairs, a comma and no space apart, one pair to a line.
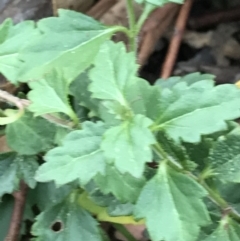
29,135
66,221
187,112
79,157
225,157
172,207
128,146
50,95
12,40
123,186
65,43
15,168
228,230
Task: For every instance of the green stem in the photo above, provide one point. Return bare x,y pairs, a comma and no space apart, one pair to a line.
74,118
213,195
132,25
146,12
124,231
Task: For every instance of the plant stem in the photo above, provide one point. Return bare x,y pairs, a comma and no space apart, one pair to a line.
18,210
132,25
214,196
146,11
124,231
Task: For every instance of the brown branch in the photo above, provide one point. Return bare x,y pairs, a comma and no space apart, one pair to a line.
17,214
176,39
154,27
98,10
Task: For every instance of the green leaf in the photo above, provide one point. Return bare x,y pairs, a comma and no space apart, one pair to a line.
29,135
177,153
50,95
189,79
52,195
123,186
66,221
225,157
159,3
80,157
120,68
128,146
12,40
228,230
13,169
172,207
79,89
143,98
187,112
121,71
65,43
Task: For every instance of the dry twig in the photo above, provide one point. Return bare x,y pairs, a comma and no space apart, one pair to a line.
176,39
154,28
17,215
98,10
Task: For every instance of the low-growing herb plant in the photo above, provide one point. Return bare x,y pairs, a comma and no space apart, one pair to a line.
94,142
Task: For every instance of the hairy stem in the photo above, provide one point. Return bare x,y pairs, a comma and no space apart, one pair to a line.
132,25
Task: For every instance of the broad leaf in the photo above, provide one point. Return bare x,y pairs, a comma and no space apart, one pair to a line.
52,195
189,79
12,40
15,168
143,98
79,89
29,135
66,221
228,230
65,43
172,206
187,112
177,153
121,70
123,186
80,157
50,95
225,157
128,146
